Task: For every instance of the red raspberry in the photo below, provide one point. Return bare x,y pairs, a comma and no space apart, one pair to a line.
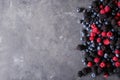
106,75
98,40
118,4
92,34
93,26
109,34
96,60
101,6
117,64
117,51
118,14
95,30
107,8
90,64
118,23
106,42
98,32
102,11
91,38
100,52
103,34
102,65
115,58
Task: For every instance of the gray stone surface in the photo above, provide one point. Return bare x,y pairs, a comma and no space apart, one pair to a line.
38,40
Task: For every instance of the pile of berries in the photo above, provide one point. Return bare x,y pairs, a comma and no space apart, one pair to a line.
101,38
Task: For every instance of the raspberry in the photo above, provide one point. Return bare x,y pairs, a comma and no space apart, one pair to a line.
97,60
109,34
102,65
107,9
106,42
100,52
102,11
104,34
90,64
98,40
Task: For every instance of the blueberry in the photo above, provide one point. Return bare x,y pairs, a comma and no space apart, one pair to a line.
117,55
95,13
105,55
97,22
93,75
98,48
106,23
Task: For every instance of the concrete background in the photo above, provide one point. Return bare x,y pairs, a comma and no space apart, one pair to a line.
38,40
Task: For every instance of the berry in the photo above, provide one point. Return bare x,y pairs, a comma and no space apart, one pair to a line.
117,51
118,14
95,30
115,58
101,6
109,34
107,8
80,74
100,52
106,75
106,42
79,10
97,60
91,38
98,40
93,26
102,11
118,23
102,65
92,34
103,34
93,75
117,64
118,4
90,64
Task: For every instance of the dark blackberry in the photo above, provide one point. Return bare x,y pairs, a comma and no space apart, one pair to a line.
80,74
81,47
80,9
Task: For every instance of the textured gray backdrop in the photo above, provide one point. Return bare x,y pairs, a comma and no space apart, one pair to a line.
38,40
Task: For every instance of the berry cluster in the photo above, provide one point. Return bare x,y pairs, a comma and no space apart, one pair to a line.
101,38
